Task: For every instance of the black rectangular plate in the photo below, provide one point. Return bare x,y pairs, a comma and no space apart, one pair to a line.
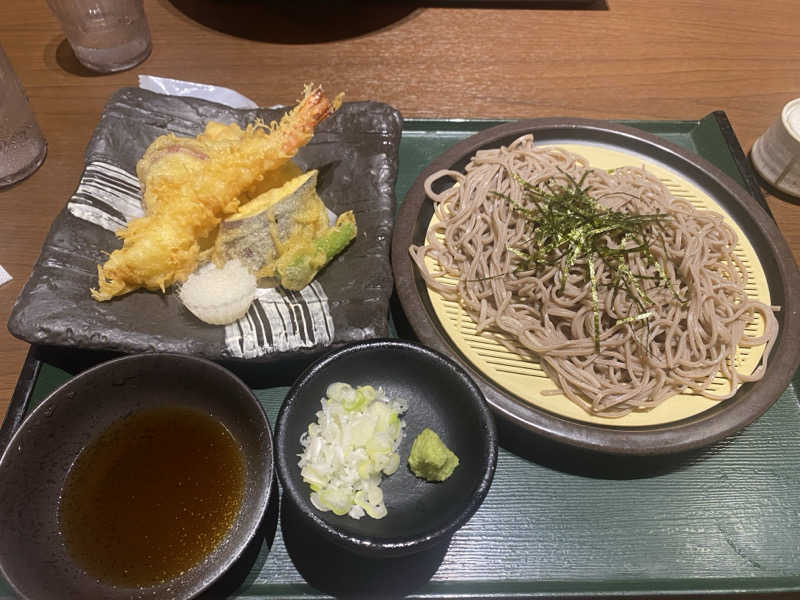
355,152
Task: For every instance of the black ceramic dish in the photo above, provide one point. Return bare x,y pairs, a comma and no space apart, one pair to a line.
442,397
355,152
34,467
781,271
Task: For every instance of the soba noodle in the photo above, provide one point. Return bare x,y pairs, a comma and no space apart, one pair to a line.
691,331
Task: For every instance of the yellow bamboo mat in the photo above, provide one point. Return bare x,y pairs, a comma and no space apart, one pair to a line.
519,372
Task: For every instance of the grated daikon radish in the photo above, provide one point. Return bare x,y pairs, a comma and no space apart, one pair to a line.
219,295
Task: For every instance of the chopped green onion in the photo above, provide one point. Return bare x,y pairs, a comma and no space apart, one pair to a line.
351,446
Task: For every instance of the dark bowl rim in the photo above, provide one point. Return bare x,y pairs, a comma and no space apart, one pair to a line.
400,545
230,557
703,429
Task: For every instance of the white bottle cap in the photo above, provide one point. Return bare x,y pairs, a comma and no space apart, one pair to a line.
776,154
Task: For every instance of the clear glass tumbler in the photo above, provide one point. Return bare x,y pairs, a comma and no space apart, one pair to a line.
105,35
22,145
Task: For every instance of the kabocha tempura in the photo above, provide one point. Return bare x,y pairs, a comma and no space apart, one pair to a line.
190,185
284,234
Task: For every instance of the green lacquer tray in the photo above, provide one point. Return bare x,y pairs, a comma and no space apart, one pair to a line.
557,522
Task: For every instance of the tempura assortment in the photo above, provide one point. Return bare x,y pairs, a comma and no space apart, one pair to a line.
229,194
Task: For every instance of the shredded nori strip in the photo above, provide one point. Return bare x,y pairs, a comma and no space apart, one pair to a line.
569,227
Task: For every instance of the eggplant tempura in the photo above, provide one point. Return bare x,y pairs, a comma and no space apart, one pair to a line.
190,185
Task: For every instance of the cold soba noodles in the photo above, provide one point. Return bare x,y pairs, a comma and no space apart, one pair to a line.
627,295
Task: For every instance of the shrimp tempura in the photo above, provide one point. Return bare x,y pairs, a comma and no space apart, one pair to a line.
190,184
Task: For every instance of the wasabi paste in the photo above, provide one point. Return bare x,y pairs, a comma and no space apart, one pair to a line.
430,459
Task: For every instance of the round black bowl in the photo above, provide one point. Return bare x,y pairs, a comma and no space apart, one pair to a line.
36,462
442,397
702,429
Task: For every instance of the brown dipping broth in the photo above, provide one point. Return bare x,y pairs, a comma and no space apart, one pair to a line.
152,496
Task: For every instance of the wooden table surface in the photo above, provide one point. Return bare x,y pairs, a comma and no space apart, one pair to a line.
626,59
619,59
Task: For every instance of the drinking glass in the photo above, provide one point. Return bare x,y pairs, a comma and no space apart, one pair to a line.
105,35
22,145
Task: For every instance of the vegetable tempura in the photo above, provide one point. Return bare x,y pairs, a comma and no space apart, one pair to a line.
190,184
